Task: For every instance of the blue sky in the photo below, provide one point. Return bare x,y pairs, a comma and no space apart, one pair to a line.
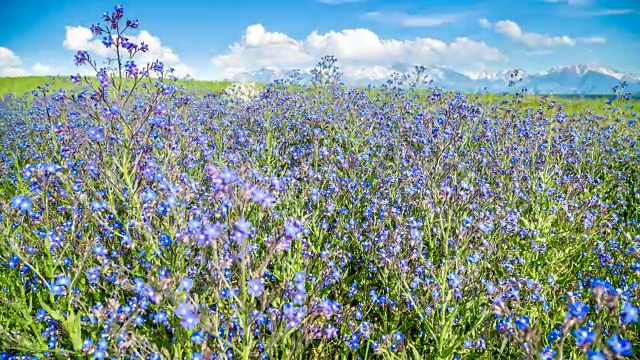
221,39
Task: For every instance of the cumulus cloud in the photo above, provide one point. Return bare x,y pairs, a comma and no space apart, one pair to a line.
355,49
412,20
13,71
514,32
11,65
41,69
81,38
485,23
8,58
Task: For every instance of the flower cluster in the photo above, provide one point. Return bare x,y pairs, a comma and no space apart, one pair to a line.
142,220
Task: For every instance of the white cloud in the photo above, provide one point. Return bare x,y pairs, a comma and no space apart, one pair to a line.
81,38
369,73
604,12
592,40
532,40
11,65
13,71
514,32
485,23
409,20
41,69
355,49
8,58
586,13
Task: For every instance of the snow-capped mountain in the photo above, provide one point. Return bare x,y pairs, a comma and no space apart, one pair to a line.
579,79
573,79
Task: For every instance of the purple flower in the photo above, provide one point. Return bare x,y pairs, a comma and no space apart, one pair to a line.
584,337
330,332
138,286
454,280
263,198
158,66
547,353
148,195
81,57
293,315
93,275
242,227
103,78
226,177
522,323
63,280
100,250
491,287
22,203
578,310
211,231
189,321
57,290
107,41
184,309
595,354
164,240
131,68
160,109
186,312
95,29
111,112
292,228
619,345
134,24
629,313
256,287
95,134
198,337
185,284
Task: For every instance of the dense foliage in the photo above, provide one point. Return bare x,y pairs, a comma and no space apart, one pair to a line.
140,220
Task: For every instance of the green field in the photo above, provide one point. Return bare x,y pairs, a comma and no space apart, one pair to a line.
572,104
390,224
21,85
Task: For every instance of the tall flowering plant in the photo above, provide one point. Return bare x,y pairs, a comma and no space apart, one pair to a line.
141,220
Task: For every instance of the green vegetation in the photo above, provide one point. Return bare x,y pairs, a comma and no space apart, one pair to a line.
21,85
573,104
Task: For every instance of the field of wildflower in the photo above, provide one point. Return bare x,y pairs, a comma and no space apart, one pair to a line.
140,220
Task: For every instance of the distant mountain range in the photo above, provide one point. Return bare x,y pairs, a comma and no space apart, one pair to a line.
575,79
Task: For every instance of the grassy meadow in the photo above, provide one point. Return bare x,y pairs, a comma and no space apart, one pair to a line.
313,222
25,84
571,104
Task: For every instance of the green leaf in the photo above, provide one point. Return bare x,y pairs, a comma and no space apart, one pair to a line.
71,324
414,352
74,329
54,313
